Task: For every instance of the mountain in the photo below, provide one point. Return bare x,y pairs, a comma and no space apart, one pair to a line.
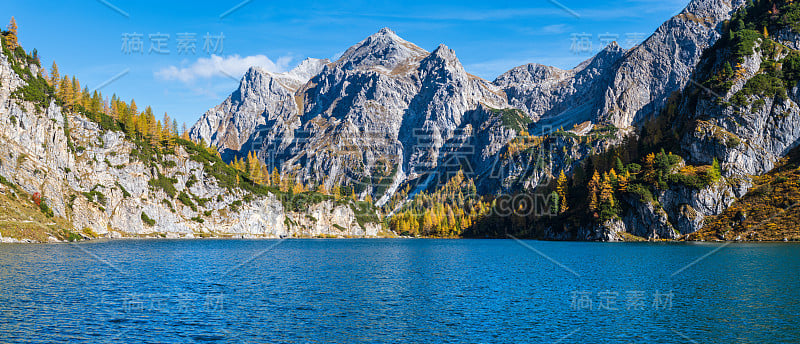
618,87
261,97
72,169
380,116
654,142
388,115
716,161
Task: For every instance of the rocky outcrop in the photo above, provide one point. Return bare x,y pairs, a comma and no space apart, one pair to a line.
679,210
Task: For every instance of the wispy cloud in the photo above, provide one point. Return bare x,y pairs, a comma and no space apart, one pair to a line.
555,29
217,66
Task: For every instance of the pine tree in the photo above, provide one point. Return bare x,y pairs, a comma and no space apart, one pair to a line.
716,171
649,169
254,168
11,37
612,177
619,166
728,69
166,132
97,102
555,202
174,127
185,133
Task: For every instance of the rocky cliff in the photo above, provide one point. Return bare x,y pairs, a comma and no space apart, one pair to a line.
103,184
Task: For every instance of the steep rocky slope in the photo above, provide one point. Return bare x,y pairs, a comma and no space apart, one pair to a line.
617,87
102,183
743,112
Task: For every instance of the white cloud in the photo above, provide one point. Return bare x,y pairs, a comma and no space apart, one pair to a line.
555,29
217,66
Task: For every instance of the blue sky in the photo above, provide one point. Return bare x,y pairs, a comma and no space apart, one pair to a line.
86,37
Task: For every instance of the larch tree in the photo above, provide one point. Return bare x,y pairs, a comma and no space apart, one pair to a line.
77,95
561,189
55,77
11,38
66,92
594,188
623,180
607,192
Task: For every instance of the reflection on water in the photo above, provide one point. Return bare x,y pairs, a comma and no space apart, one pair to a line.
398,291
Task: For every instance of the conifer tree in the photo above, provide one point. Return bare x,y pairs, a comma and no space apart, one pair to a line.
55,78
594,188
185,132
76,91
622,184
66,93
276,177
607,192
11,38
619,166
561,190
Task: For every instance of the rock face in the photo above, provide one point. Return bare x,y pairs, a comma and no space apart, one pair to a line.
262,98
619,87
739,123
95,179
379,116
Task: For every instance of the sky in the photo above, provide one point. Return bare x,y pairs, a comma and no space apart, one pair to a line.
184,57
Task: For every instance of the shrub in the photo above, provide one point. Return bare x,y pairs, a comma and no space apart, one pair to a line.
147,220
184,198
45,209
125,193
164,183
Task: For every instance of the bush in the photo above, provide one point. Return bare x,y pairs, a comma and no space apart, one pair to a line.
164,183
147,220
644,193
125,193
45,209
184,198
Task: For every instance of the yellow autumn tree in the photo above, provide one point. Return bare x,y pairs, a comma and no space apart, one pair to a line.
594,188
622,184
11,38
55,77
276,177
607,192
561,189
65,92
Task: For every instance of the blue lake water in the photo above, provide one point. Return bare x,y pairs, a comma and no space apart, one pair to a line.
407,291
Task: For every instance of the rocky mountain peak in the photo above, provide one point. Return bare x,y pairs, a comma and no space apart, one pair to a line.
308,68
383,49
444,53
